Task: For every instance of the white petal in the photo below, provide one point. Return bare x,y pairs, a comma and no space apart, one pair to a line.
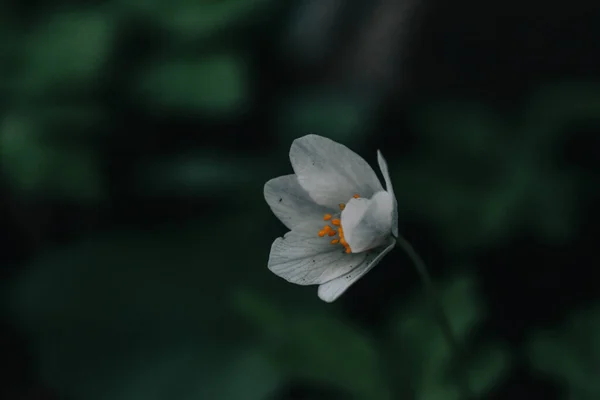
330,172
290,203
390,189
333,289
367,223
307,259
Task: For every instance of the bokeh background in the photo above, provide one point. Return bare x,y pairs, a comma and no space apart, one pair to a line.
135,140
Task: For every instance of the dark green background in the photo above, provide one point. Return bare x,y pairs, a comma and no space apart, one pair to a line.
135,140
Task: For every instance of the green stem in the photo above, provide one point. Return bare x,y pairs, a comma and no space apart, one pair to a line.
441,315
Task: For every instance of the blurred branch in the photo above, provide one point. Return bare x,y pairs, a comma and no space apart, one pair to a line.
375,59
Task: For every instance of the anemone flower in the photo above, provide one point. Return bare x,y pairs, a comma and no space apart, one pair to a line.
341,219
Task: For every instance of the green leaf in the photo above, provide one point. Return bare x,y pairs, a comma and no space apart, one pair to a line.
490,364
143,316
67,53
572,353
477,182
330,351
24,159
485,371
343,117
438,392
143,362
317,347
211,85
425,351
462,304
146,277
33,164
419,327
188,372
197,19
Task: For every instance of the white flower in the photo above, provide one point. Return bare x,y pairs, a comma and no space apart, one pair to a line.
341,219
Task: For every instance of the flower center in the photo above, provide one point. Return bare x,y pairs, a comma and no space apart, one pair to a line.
337,223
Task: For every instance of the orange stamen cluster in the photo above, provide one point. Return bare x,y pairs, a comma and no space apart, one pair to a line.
336,222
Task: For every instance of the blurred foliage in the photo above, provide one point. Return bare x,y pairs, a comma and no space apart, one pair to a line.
190,311
344,116
139,315
196,19
428,359
34,164
317,347
215,85
150,304
571,354
66,54
479,176
200,174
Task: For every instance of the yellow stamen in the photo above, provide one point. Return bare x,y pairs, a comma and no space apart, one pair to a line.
327,230
343,241
342,206
356,196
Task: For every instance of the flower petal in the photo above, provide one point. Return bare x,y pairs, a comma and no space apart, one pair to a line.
307,259
367,223
390,189
290,202
333,289
330,172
